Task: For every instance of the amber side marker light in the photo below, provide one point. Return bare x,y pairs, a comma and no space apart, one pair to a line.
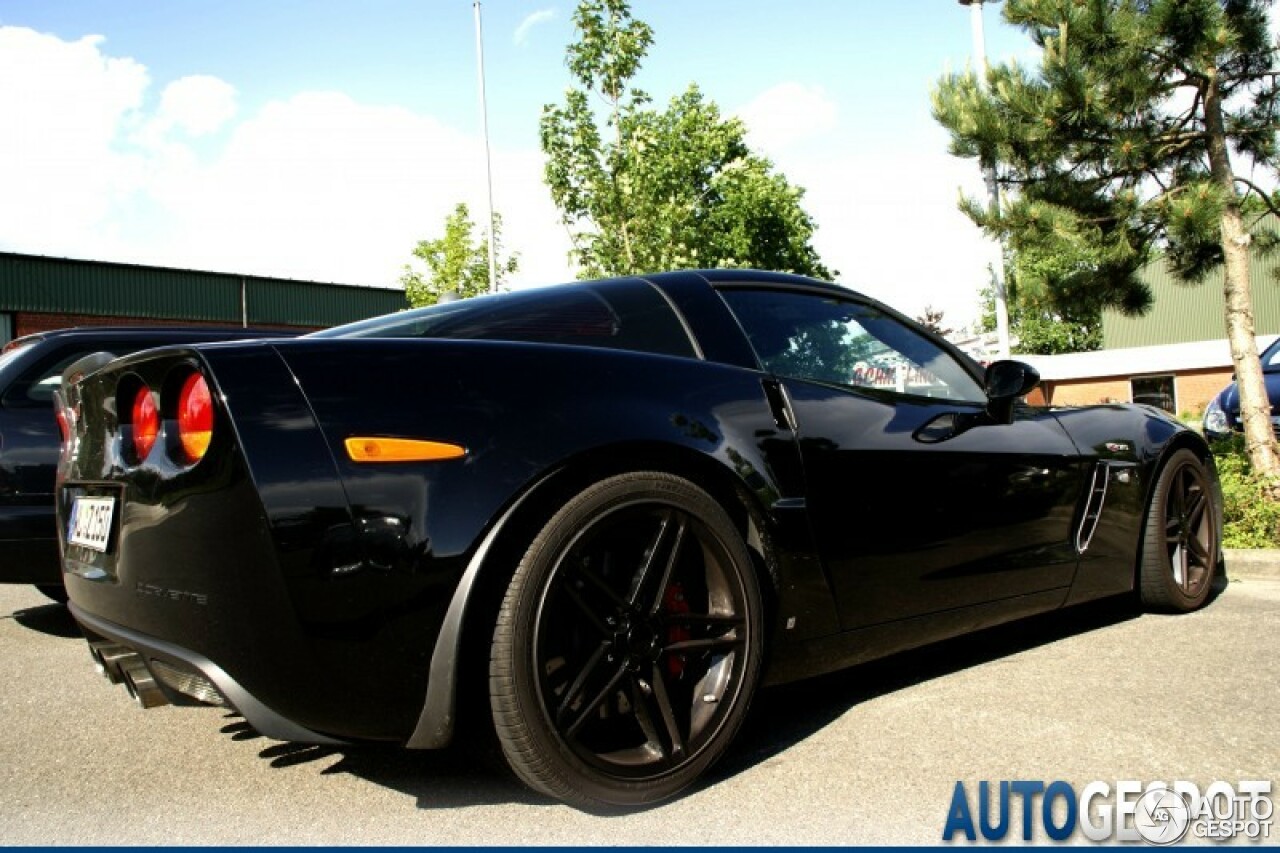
370,449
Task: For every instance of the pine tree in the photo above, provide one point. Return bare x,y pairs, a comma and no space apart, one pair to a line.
1124,144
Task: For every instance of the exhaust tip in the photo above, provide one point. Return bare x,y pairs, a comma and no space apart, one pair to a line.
107,659
140,684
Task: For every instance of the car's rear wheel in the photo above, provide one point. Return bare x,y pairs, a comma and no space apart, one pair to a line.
1181,545
628,644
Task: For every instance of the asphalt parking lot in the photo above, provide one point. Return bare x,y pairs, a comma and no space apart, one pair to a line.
867,756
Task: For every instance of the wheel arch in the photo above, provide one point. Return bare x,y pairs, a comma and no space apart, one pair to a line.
1178,441
459,660
1182,440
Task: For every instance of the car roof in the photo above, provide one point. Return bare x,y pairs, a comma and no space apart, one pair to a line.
782,280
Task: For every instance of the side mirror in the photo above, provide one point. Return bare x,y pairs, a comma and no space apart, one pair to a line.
1005,382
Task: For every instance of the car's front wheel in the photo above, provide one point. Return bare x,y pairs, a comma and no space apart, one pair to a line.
628,644
1181,544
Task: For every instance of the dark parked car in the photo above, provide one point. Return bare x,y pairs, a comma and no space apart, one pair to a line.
30,369
611,510
1222,415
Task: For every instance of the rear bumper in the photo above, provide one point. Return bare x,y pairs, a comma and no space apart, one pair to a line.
248,565
184,676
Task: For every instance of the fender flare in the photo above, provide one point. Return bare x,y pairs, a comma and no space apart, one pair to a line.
439,710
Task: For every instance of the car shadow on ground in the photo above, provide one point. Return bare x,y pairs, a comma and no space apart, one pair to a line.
784,715
52,619
464,774
470,773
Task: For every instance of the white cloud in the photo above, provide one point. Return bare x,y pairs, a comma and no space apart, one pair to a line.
325,188
63,106
786,114
317,186
198,104
887,216
888,221
530,21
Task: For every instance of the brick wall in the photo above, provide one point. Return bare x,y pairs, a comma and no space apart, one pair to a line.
1197,387
1194,389
1086,392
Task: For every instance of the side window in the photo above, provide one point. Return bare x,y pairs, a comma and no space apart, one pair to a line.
826,339
36,385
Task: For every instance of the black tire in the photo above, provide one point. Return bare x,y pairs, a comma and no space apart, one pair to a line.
628,645
57,592
1181,542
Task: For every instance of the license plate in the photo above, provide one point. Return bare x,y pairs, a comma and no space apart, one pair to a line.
90,524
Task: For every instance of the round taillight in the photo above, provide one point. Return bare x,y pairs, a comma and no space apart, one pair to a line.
146,422
195,417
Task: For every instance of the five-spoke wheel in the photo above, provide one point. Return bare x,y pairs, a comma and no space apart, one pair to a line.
628,643
1180,551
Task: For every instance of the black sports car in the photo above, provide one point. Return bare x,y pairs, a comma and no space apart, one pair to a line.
30,369
613,509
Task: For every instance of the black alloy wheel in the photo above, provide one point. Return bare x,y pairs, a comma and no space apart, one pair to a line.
1180,551
628,645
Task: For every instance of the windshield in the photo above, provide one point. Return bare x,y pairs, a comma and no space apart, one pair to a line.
12,353
1271,356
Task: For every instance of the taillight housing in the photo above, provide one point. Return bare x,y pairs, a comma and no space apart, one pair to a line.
144,417
64,423
65,415
180,417
193,417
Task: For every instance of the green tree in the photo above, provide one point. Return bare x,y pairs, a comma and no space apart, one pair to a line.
641,189
1038,328
1122,145
455,262
931,319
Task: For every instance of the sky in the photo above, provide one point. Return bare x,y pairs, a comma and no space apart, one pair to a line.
321,140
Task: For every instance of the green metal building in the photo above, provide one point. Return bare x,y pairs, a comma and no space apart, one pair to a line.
1192,312
39,293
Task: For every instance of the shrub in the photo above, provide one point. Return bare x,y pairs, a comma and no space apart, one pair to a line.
1252,519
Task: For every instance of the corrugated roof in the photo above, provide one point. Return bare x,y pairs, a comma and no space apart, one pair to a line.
1136,361
66,286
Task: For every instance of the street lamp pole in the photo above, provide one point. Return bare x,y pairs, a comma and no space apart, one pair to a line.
488,163
993,189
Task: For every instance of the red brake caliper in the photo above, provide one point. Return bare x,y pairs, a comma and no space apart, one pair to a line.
673,602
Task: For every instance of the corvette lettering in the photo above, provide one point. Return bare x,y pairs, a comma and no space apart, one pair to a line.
153,591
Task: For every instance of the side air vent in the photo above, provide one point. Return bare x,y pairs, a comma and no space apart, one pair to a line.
1093,507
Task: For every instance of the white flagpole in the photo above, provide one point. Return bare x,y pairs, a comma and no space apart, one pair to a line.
488,165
